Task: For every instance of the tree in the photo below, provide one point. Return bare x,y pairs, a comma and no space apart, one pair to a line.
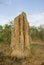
7,34
34,33
1,27
42,33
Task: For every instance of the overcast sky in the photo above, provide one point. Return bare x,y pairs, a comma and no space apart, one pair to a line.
34,9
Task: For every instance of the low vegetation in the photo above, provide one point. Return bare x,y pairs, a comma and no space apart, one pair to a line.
36,33
37,51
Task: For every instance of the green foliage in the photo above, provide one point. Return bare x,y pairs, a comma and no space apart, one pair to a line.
34,32
5,34
1,27
37,33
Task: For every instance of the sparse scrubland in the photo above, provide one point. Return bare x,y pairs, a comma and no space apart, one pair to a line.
36,56
36,33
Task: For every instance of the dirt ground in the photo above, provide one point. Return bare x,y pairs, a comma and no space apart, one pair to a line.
36,57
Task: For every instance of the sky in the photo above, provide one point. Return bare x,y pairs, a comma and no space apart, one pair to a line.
34,10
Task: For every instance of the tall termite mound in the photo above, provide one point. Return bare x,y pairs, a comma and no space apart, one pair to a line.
20,42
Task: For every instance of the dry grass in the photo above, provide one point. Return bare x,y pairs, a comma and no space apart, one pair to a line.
36,57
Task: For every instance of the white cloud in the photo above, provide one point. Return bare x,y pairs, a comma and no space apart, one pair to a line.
3,20
36,19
